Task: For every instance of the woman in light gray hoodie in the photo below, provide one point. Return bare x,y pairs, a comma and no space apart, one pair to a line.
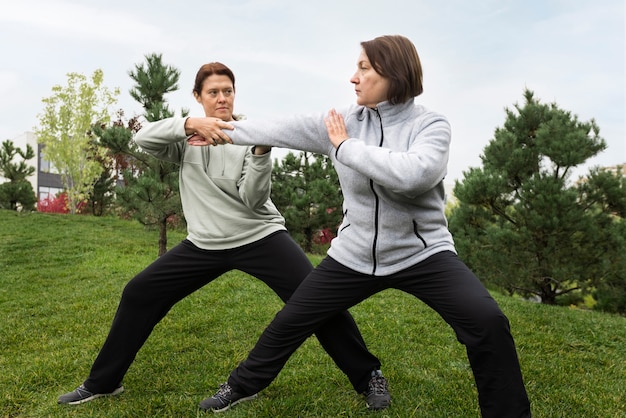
391,157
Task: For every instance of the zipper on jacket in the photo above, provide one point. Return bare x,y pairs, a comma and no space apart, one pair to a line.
376,202
345,216
417,234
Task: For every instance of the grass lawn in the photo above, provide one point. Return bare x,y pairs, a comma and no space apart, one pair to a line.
60,281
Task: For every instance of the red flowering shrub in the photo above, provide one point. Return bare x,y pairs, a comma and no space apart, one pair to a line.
323,236
58,204
54,204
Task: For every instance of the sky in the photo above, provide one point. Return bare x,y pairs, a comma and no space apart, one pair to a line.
292,56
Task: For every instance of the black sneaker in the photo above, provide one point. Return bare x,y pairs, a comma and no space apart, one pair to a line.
82,395
377,395
224,398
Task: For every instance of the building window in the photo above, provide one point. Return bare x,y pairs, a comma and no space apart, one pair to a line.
48,192
46,166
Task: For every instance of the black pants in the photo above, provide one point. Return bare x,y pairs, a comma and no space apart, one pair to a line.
276,260
443,282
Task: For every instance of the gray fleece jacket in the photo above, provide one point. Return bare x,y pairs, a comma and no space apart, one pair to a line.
225,190
391,171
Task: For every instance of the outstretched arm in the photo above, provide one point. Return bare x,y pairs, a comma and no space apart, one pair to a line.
298,132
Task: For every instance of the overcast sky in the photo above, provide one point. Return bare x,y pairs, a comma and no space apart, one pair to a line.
298,56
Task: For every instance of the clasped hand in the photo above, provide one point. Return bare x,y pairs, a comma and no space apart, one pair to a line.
207,131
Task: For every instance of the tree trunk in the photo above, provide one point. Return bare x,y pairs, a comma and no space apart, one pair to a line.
162,236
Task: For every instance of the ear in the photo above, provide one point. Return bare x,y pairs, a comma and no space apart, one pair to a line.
197,96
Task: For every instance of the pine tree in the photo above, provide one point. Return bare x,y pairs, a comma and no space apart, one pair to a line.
305,188
521,223
17,192
150,190
154,80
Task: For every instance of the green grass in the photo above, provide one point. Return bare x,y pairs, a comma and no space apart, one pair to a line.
60,282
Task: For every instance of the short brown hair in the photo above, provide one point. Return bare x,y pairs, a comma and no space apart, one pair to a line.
208,70
395,58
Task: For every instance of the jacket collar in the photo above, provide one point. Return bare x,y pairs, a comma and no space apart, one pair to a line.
392,114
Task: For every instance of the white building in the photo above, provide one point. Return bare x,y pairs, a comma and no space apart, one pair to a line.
44,180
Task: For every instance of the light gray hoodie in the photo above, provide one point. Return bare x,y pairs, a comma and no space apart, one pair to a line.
391,171
225,190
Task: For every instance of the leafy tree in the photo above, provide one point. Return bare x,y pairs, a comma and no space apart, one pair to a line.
521,224
306,190
17,192
65,128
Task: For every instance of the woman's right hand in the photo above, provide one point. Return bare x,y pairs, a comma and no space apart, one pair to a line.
336,128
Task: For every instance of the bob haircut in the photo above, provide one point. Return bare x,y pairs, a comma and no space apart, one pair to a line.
212,68
395,58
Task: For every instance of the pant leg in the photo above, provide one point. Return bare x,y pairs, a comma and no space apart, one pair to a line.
339,335
446,284
330,288
145,301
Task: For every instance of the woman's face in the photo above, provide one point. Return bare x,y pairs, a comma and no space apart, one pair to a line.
371,88
217,97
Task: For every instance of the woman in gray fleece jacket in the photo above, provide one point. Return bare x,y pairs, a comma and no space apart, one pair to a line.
231,224
391,157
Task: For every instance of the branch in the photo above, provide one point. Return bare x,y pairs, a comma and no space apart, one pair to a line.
501,212
564,292
524,290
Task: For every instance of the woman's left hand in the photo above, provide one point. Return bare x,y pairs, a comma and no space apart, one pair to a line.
336,127
207,131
